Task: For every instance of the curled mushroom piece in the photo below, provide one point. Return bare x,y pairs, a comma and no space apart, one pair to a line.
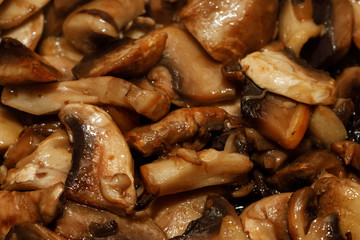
14,12
179,126
31,231
229,29
349,151
124,59
20,65
279,73
51,97
102,171
99,22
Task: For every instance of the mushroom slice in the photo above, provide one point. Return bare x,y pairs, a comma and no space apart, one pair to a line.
349,151
35,206
63,64
356,32
267,218
10,128
231,28
99,22
51,97
82,222
14,12
190,72
102,171
29,32
46,166
348,82
31,231
124,59
20,65
65,6
296,25
124,118
174,174
219,221
177,127
279,73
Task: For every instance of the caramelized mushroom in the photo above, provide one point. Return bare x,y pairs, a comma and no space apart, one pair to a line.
356,31
102,171
349,151
348,82
10,128
228,29
31,231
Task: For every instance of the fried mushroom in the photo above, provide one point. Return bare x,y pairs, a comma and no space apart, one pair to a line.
10,128
31,231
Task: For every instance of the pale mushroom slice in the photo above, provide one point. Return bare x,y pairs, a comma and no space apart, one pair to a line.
189,72
10,128
124,59
41,206
176,174
63,64
179,126
279,73
14,12
296,24
102,171
356,30
32,231
266,219
20,65
83,222
232,28
28,32
99,22
51,97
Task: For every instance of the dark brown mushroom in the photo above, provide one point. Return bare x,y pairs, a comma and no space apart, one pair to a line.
349,151
348,82
32,231
102,171
228,29
356,31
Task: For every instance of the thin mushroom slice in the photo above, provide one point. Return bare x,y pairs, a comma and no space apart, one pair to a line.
63,64
29,32
279,73
31,231
356,31
51,97
10,128
102,171
20,65
14,12
124,59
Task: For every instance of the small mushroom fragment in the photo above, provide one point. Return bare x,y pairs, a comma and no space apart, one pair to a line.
228,29
51,97
189,72
356,32
20,65
34,206
83,222
179,126
174,174
10,128
47,165
63,64
29,32
126,59
349,151
326,127
348,82
165,12
14,12
102,171
31,231
99,22
219,221
296,25
279,73
344,109
267,218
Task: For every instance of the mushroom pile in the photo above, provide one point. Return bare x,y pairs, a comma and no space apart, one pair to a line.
174,119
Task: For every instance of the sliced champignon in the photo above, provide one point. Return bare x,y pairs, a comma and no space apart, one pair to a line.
271,160
102,171
219,221
356,30
344,109
20,65
47,165
10,128
348,82
296,25
29,32
175,174
228,29
40,206
179,126
280,73
126,59
31,231
49,98
139,27
83,222
337,17
267,218
165,12
191,73
62,64
14,12
65,6
326,127
349,151
257,141
99,22
124,118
